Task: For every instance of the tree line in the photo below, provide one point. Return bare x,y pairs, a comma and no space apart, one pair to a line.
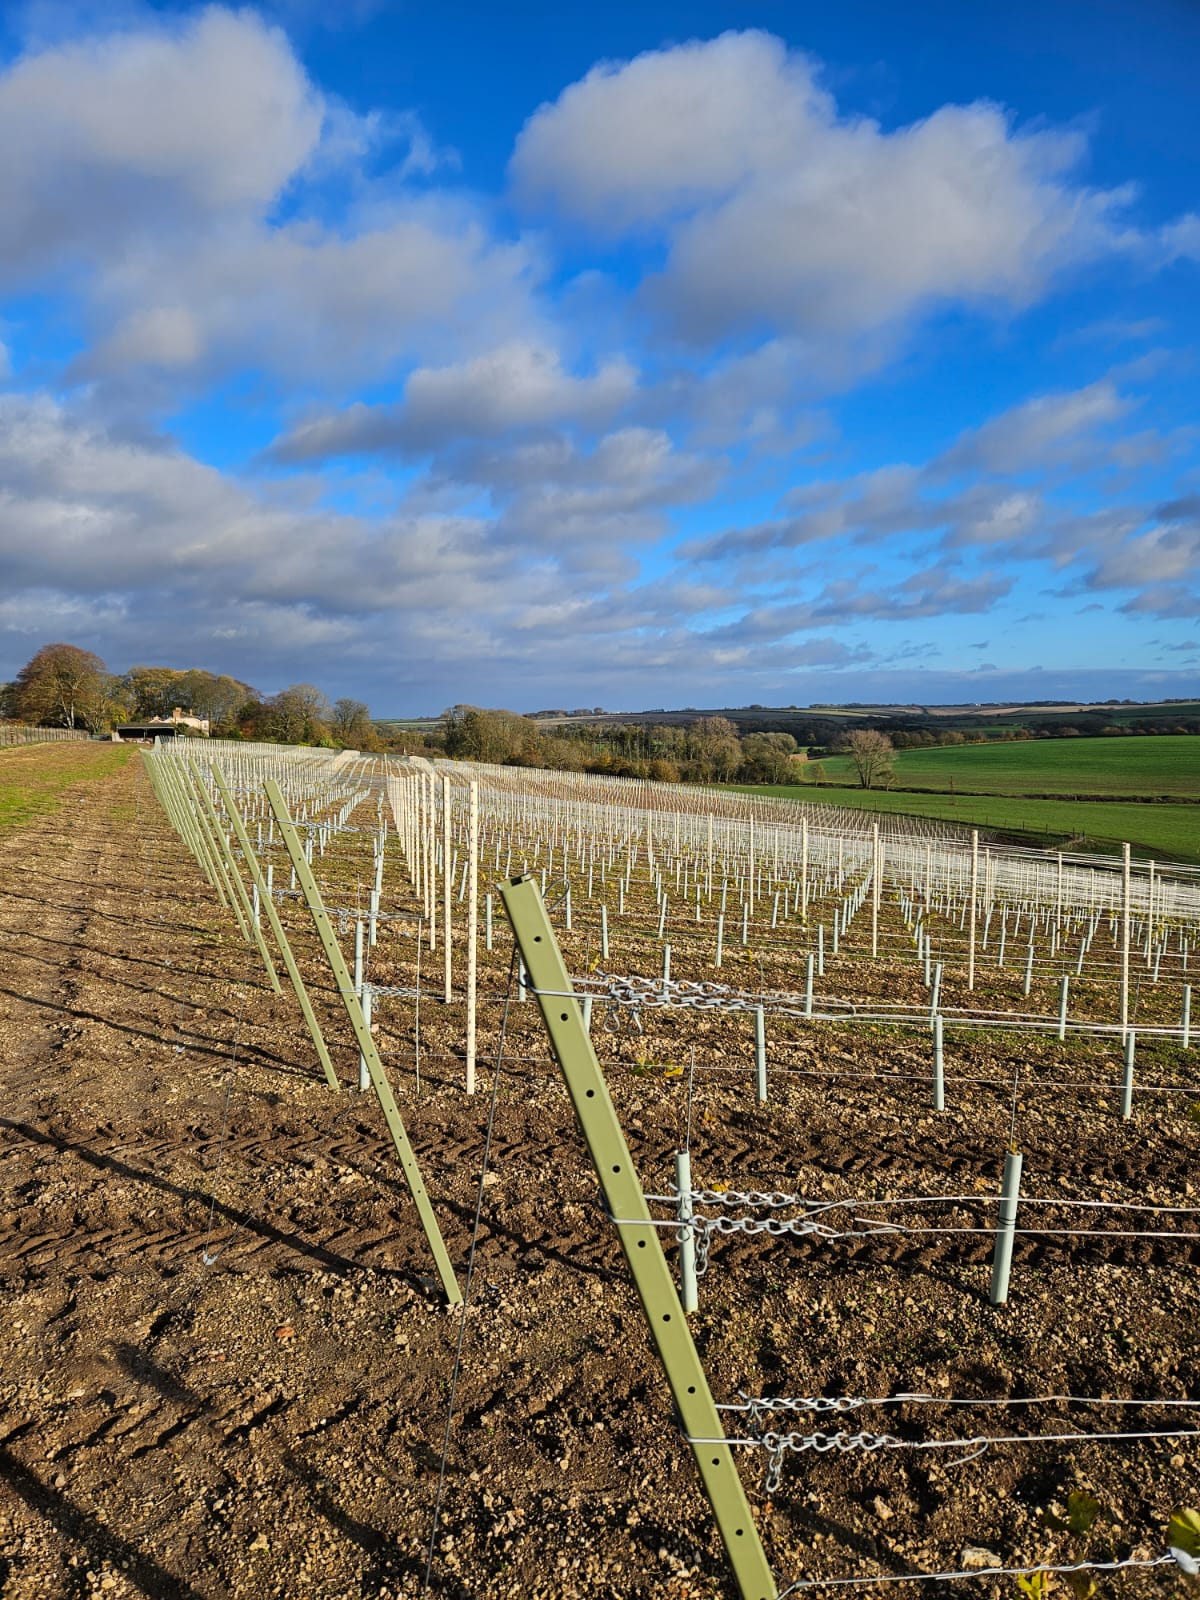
708,750
63,686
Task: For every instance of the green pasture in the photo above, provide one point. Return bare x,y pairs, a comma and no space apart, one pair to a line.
1135,765
1163,832
38,778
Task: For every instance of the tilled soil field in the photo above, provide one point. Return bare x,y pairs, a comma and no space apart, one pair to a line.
228,1370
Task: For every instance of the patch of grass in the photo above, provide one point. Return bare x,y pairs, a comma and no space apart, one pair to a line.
39,778
1164,832
1152,765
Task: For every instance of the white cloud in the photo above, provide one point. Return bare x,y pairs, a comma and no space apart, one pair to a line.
312,304
635,143
110,136
1036,432
515,387
778,211
169,173
1180,240
140,546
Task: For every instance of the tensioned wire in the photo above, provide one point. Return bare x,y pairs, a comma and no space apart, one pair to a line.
978,1572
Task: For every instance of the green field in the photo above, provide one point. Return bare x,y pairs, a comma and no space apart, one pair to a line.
1152,765
1159,831
989,786
37,778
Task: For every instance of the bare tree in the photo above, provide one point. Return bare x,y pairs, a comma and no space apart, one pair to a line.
63,686
873,755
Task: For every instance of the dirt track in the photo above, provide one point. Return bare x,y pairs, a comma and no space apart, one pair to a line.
227,1368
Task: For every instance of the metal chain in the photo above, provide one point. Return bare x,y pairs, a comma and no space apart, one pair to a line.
758,1407
778,1444
758,1198
705,1227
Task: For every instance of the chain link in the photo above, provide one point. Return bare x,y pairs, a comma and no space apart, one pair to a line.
760,1199
778,1444
800,1227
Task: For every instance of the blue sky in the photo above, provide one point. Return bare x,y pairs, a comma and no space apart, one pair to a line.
638,355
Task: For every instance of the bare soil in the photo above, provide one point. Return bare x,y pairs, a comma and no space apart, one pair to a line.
227,1370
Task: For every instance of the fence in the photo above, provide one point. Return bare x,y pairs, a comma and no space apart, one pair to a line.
13,733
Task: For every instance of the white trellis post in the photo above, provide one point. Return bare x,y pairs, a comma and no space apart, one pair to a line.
1125,898
971,910
447,873
472,924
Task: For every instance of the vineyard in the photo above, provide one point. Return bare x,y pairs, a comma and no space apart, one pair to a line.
480,1182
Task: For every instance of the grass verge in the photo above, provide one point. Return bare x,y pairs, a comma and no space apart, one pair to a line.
39,778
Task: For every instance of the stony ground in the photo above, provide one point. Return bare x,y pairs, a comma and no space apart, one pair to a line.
228,1371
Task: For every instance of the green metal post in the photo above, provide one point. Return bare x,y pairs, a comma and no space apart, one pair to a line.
625,1200
231,867
169,800
191,832
267,901
208,834
366,1044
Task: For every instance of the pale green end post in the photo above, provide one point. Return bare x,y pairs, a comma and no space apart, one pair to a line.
366,1044
625,1200
267,901
253,931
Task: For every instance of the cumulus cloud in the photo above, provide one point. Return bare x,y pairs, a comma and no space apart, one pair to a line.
312,304
779,211
931,593
199,210
161,171
1002,505
112,136
86,508
133,540
510,389
1037,432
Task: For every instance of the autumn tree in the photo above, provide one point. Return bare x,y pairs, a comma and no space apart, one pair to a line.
299,714
351,723
715,747
767,758
873,755
500,737
64,687
216,696
151,691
